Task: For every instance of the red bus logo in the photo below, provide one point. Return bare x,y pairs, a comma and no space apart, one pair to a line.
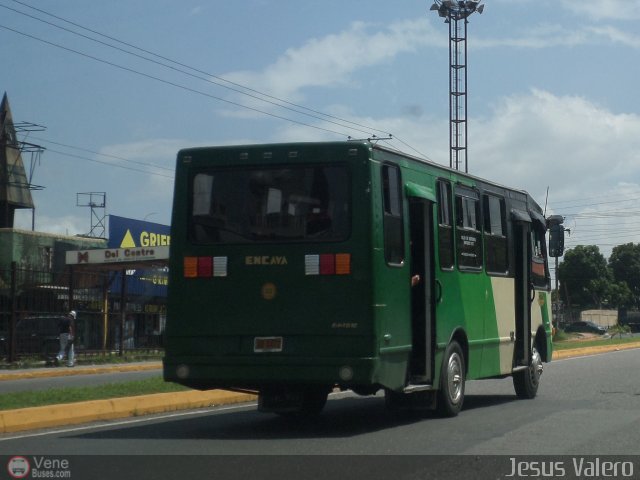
18,467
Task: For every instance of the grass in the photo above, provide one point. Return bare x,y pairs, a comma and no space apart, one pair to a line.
563,341
82,394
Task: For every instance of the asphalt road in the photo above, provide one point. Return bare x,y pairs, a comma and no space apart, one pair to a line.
585,406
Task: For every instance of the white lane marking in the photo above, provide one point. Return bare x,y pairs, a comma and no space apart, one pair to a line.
130,422
150,418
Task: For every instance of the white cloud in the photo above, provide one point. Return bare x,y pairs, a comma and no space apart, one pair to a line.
604,9
549,35
544,35
529,141
585,154
569,143
329,61
61,225
616,35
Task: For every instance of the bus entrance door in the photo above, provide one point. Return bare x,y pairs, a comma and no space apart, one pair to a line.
523,292
422,280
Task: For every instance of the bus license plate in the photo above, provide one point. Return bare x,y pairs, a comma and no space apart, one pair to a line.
267,344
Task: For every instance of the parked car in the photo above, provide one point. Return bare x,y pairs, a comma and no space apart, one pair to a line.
585,327
36,335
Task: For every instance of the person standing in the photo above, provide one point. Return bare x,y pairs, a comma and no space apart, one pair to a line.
66,330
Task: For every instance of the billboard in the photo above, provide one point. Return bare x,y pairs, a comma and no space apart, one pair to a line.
134,235
130,233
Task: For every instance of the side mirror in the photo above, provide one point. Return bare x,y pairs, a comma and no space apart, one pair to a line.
556,240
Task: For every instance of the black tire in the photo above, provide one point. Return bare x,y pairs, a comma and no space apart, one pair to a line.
526,382
452,379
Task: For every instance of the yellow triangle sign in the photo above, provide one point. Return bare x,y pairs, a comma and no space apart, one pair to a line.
127,241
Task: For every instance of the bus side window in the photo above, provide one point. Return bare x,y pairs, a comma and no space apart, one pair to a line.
392,214
469,241
445,225
495,235
539,269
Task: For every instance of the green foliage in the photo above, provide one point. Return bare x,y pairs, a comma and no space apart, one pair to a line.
561,336
619,294
569,344
583,276
588,281
625,266
619,330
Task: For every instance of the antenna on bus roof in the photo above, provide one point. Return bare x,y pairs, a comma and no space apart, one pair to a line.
546,200
372,139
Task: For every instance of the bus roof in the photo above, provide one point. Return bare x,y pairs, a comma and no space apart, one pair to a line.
373,146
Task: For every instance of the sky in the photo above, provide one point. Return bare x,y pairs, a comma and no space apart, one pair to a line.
121,86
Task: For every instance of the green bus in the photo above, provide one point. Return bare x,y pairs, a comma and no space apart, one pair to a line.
300,268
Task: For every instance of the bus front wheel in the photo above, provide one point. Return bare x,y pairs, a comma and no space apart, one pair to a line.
526,382
452,377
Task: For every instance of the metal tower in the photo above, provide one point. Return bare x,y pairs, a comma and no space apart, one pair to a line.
96,201
455,13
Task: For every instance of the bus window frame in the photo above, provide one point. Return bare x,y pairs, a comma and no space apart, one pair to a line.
450,227
210,170
389,218
463,192
539,230
489,235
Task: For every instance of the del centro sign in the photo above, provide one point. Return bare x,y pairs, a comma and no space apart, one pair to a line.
116,255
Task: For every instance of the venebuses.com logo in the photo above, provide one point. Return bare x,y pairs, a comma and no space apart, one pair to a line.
38,467
18,467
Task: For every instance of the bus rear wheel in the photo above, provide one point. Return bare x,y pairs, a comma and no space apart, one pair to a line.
452,378
526,382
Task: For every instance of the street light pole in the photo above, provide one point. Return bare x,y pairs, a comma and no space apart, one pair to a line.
454,11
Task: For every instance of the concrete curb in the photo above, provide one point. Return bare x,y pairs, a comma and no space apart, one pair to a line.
84,412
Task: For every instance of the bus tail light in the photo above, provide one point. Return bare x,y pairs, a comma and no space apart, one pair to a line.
343,263
190,267
205,267
328,264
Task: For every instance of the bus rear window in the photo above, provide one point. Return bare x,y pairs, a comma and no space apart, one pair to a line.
247,205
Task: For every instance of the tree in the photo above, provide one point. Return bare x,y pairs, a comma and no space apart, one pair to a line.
625,266
583,276
619,295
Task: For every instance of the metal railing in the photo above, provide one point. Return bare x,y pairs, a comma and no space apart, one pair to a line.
28,298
